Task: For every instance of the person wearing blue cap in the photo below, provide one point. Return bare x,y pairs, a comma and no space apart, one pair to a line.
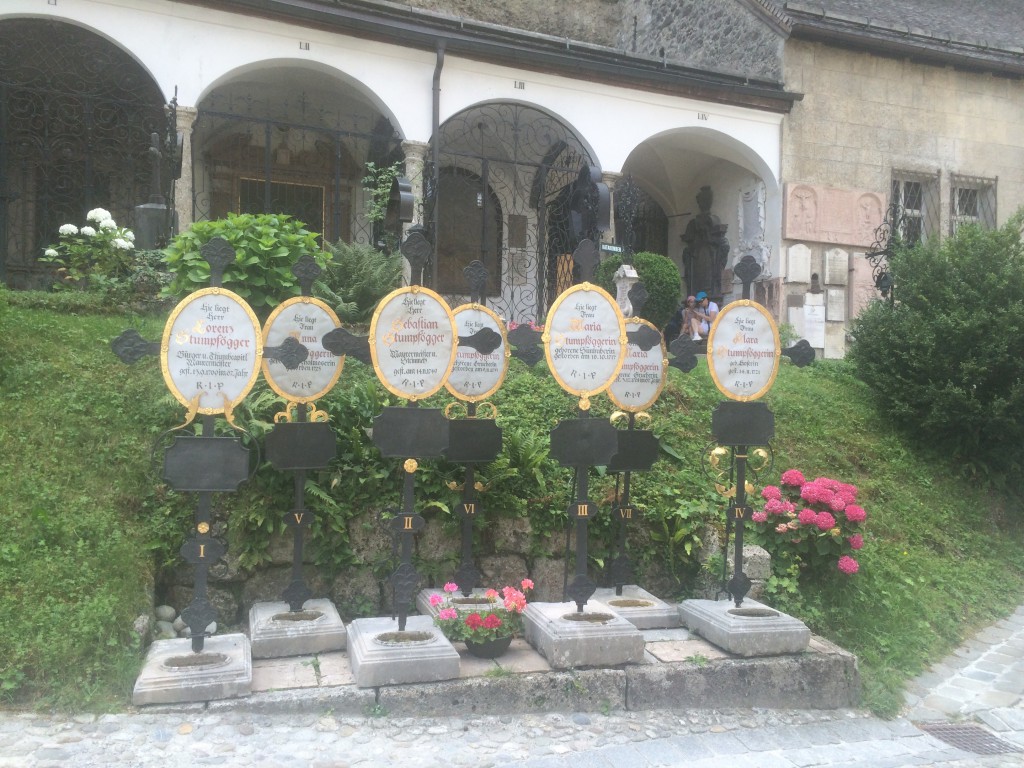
707,310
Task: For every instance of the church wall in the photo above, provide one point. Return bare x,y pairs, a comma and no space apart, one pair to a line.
861,118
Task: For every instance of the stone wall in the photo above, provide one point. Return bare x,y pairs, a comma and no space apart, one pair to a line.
861,118
507,551
719,35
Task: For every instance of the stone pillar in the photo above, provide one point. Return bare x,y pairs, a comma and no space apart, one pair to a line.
415,160
611,179
183,187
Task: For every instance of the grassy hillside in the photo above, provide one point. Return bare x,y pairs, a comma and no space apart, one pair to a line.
87,522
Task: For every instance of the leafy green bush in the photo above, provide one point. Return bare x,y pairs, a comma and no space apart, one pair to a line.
356,278
266,248
660,277
946,358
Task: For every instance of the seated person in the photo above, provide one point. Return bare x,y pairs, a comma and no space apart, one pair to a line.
707,311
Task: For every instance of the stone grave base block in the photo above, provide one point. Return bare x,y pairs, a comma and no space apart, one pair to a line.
171,676
481,603
304,635
640,608
566,643
377,660
752,629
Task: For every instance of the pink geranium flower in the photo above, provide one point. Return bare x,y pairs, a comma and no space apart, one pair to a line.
451,587
448,613
526,584
436,599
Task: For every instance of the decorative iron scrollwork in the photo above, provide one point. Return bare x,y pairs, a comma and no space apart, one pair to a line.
881,249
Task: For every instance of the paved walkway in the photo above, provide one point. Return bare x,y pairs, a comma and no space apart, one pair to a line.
977,691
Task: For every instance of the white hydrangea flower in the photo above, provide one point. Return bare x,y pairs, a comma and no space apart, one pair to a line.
123,244
88,231
98,215
50,253
108,224
68,229
129,236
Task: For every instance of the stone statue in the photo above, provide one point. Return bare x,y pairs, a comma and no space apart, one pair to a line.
706,248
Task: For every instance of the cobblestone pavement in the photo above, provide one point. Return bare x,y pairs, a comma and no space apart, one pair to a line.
978,688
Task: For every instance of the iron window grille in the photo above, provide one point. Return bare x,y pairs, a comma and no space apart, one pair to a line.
917,197
972,201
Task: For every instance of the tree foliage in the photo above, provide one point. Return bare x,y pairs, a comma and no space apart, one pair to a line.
946,358
660,277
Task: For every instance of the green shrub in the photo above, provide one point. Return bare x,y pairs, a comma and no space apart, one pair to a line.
660,277
266,248
356,278
946,358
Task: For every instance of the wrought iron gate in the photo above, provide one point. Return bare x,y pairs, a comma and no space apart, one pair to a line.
506,178
76,114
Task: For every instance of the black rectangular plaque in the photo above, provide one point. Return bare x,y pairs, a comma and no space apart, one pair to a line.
301,445
411,432
206,464
637,451
473,441
584,443
739,423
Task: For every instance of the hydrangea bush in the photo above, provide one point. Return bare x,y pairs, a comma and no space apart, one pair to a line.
815,524
92,253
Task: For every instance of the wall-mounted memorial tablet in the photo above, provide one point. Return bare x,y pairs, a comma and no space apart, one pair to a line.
307,320
477,375
642,377
211,350
412,342
743,350
584,341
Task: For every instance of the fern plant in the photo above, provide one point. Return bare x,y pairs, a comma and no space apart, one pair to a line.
356,278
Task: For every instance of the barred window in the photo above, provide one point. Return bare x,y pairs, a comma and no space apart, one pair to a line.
972,200
918,197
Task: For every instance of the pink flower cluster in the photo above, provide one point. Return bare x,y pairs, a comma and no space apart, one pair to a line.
812,517
500,617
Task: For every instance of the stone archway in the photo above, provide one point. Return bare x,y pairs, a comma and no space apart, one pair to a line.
76,115
285,139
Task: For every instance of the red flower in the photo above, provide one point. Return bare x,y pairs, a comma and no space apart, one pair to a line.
492,621
473,621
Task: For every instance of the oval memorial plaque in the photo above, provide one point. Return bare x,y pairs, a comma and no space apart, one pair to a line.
584,340
642,377
413,342
476,376
211,350
306,320
743,350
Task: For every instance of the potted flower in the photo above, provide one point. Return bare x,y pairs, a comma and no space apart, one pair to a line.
487,628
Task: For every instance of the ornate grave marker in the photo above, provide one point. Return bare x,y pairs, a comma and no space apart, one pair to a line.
584,344
210,355
301,438
743,356
635,389
413,340
476,375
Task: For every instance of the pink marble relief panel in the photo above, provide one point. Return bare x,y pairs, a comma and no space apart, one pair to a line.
828,215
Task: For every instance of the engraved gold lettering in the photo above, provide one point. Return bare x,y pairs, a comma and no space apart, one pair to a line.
407,526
